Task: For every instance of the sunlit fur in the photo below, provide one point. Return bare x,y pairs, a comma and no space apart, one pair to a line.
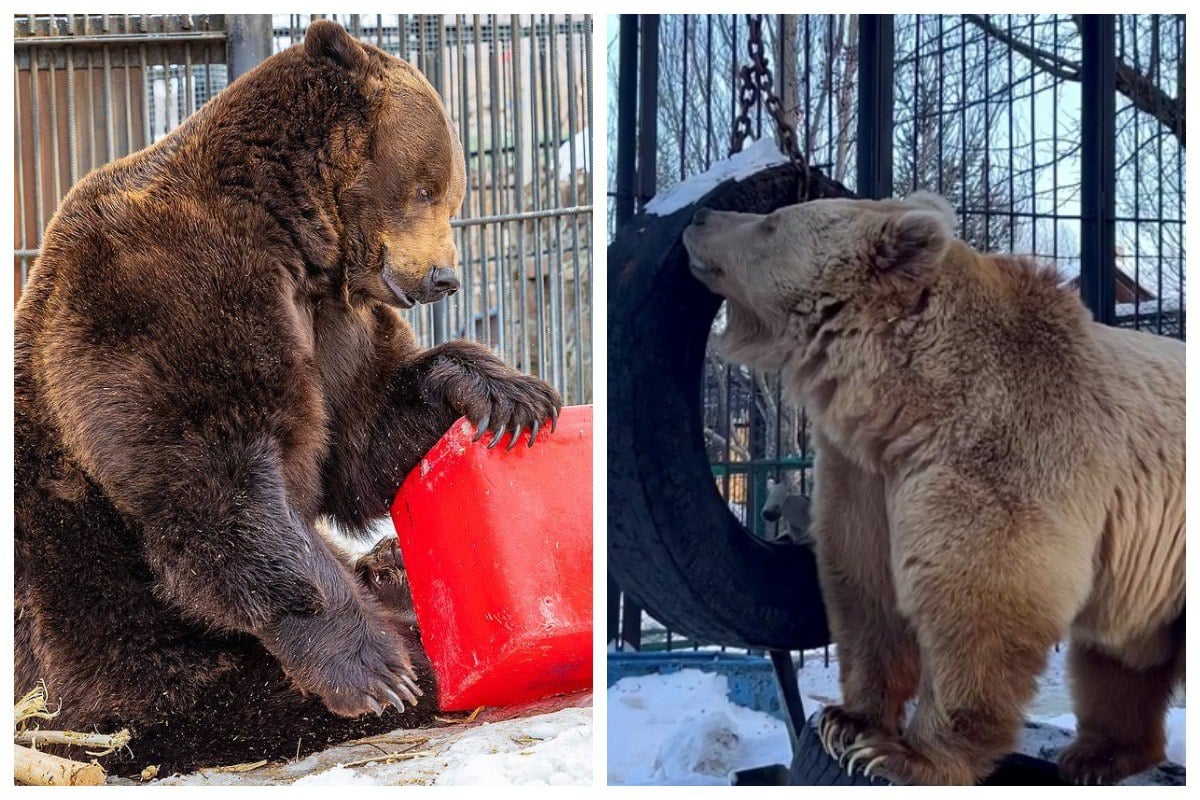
994,472
207,359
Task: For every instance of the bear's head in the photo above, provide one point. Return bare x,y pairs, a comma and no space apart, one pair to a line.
791,266
409,180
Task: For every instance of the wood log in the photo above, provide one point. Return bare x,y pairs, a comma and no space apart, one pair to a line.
34,768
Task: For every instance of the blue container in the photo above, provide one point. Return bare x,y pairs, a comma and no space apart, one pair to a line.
751,679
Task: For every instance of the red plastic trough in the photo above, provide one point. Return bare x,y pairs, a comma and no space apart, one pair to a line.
498,548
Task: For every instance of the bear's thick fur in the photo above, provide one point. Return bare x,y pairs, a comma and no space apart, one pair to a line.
994,471
207,360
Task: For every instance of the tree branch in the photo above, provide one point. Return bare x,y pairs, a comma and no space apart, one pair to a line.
1143,92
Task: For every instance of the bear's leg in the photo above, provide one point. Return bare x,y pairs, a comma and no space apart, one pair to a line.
989,587
1121,714
877,653
228,549
403,402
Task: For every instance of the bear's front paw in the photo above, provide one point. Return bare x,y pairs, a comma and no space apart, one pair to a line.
512,402
902,762
839,728
349,657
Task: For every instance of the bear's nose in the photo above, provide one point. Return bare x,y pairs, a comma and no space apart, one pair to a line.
442,281
770,515
700,216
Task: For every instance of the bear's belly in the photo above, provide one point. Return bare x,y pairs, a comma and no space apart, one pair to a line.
1138,590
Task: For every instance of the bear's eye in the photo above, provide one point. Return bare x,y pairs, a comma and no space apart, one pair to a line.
425,195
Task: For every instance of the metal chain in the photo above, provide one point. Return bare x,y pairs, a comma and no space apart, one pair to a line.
757,85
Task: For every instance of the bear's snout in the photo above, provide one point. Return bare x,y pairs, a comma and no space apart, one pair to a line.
700,216
440,281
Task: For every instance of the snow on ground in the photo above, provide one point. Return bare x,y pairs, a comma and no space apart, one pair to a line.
682,728
548,749
756,157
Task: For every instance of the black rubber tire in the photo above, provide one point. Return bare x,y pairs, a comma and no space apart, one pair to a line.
673,545
812,766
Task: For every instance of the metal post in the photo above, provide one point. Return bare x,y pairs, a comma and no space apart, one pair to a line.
647,166
876,51
1098,252
249,42
631,623
786,72
613,628
626,118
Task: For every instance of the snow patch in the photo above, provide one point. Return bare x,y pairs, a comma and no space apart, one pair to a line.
550,749
682,729
564,156
754,158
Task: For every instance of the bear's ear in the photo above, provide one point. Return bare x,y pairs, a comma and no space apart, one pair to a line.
909,243
928,201
326,39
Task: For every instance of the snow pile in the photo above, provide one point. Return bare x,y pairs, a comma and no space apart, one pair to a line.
553,748
754,158
682,729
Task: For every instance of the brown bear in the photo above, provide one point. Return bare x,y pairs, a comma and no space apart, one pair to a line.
994,471
208,359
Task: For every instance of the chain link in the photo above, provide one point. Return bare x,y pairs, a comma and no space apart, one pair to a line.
757,86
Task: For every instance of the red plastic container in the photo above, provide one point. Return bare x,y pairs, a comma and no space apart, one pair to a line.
498,549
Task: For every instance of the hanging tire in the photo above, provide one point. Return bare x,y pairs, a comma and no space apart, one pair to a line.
674,547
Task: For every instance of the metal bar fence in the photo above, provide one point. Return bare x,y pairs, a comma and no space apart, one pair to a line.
986,110
93,88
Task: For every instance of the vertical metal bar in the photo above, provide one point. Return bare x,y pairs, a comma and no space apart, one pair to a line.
589,149
110,133
519,188
627,99
23,219
631,622
35,112
685,93
557,288
647,168
876,53
612,632
1098,165
189,81
147,90
496,158
249,42
577,336
537,99
55,156
433,66
72,133
465,135
481,196
126,52
708,86
786,69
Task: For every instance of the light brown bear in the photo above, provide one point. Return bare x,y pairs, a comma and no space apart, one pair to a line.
995,471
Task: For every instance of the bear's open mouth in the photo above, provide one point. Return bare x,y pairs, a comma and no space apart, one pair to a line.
402,297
